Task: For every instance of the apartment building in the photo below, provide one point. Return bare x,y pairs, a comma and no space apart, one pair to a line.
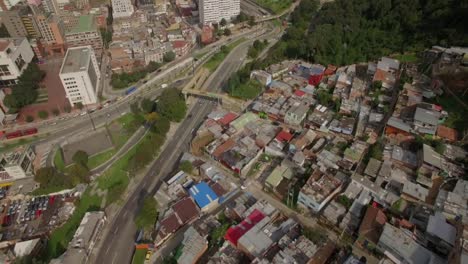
122,8
84,33
20,22
15,55
212,11
80,75
318,191
18,163
53,31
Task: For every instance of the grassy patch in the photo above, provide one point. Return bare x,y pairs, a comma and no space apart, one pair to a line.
61,236
246,91
116,179
14,144
58,160
139,256
216,60
98,159
456,112
406,58
123,128
275,6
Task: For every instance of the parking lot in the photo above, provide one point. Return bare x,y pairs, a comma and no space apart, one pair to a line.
27,217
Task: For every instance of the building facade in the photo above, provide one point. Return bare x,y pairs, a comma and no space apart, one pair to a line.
122,8
15,55
18,163
20,22
52,31
80,75
6,5
213,11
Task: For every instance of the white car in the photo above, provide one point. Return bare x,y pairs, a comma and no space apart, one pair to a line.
243,187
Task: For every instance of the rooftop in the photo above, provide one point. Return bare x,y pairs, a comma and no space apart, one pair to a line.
203,194
185,209
400,246
86,23
76,60
194,246
234,233
320,185
427,116
439,227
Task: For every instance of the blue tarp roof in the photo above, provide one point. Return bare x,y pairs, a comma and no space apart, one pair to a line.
203,194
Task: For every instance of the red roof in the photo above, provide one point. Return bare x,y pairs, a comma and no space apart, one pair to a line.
299,93
230,143
447,133
179,44
227,119
234,233
284,136
186,209
169,224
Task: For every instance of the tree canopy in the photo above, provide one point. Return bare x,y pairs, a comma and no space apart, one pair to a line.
349,31
148,213
172,105
25,91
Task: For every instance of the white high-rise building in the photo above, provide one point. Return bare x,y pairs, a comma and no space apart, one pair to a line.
212,11
122,8
80,75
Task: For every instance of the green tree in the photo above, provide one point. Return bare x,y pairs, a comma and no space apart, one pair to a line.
172,105
223,22
251,21
81,157
135,108
43,114
147,105
153,66
50,177
55,111
162,126
227,32
169,56
79,105
186,166
151,117
224,49
78,173
67,108
148,214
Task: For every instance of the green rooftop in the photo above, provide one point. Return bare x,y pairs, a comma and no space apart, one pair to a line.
277,175
85,23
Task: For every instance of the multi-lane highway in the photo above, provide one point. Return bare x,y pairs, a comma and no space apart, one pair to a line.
117,245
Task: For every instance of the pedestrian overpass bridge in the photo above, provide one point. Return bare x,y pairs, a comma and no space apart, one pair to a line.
226,101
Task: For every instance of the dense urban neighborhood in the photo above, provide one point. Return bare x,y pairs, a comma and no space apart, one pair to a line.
233,131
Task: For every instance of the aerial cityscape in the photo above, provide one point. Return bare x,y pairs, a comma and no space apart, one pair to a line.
234,131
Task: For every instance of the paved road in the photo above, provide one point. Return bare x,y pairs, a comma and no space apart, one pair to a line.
118,245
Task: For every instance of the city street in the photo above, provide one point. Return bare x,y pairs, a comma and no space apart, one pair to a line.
120,250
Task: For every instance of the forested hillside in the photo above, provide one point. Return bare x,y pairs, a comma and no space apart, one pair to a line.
348,31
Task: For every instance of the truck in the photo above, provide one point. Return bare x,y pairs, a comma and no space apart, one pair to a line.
130,90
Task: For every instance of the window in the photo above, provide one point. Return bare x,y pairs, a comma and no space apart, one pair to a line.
4,71
20,62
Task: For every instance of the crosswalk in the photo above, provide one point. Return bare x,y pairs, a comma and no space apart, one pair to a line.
45,155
